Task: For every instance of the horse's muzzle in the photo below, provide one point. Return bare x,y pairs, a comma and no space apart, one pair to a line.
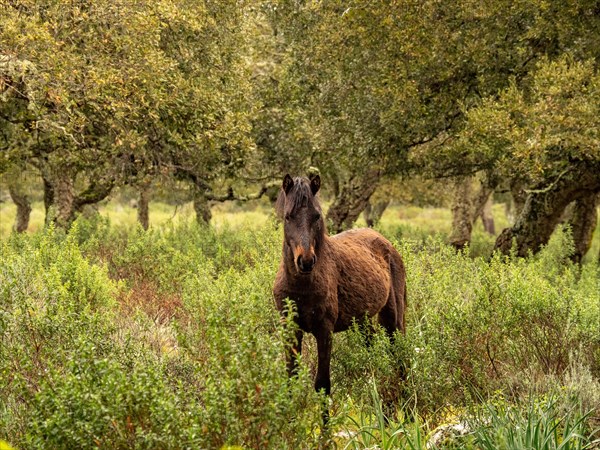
306,266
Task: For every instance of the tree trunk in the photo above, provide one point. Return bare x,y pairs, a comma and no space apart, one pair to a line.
373,213
202,208
335,184
462,213
21,200
64,198
48,200
518,197
61,201
487,217
543,209
59,196
583,224
352,201
143,206
517,190
468,207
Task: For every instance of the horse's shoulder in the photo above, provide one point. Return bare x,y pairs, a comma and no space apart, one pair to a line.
357,234
355,239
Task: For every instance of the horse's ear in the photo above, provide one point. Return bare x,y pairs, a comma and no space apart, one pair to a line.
315,184
287,183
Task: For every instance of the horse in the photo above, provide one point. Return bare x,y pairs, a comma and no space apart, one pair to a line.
333,281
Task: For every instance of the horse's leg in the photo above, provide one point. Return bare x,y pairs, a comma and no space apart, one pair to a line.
391,321
398,298
294,352
388,317
398,274
392,315
323,380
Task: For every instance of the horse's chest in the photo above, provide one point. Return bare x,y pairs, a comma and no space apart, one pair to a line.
310,317
311,310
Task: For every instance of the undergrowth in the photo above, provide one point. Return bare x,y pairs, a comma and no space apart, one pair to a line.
169,338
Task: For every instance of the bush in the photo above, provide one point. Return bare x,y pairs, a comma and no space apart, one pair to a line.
51,298
100,403
170,339
489,326
81,374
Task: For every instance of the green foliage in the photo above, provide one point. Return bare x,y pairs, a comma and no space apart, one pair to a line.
170,339
378,79
541,423
541,426
98,402
94,96
51,298
374,429
245,387
476,327
492,325
5,446
84,364
538,131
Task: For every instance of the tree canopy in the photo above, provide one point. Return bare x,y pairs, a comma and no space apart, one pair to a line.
107,93
97,95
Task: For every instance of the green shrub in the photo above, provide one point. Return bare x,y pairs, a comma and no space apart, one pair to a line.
50,298
169,338
489,326
100,403
237,338
479,327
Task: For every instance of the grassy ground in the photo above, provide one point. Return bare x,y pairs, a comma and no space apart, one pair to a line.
398,220
125,216
113,337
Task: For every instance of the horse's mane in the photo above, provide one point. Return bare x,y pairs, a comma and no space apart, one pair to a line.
299,195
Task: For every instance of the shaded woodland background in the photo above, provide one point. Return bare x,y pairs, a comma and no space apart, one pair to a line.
430,102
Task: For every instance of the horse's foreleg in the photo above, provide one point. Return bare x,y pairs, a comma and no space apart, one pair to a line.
323,380
293,353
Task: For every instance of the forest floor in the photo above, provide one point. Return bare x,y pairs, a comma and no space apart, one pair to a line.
408,220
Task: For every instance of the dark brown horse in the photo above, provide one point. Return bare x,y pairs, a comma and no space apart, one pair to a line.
335,280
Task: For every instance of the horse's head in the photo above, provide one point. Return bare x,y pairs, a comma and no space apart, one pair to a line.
303,227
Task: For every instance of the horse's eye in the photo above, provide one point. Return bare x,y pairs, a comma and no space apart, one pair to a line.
287,217
317,217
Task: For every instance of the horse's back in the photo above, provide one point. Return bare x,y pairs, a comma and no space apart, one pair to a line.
361,236
366,240
366,263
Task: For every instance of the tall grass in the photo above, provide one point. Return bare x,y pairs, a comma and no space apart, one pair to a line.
115,337
537,424
540,426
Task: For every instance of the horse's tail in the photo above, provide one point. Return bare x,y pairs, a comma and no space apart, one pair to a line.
398,278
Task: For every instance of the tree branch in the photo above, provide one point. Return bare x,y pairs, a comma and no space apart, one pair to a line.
94,193
208,193
231,195
550,186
